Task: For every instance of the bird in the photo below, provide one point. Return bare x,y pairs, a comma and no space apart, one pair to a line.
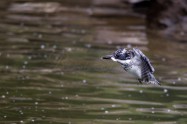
136,63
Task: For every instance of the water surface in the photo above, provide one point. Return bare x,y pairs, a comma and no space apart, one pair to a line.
51,71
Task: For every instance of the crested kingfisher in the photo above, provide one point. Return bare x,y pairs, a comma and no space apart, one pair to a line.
136,63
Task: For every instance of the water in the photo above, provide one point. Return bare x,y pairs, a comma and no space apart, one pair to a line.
51,71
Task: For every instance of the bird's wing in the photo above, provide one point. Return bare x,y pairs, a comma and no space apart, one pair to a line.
146,65
146,68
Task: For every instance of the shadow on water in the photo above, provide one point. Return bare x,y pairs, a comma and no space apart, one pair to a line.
51,71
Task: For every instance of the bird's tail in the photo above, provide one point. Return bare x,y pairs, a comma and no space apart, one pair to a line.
151,79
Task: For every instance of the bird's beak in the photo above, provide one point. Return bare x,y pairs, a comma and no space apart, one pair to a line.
107,57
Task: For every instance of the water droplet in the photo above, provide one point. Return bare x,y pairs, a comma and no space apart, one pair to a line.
30,57
163,59
165,90
84,81
62,73
113,106
141,91
21,112
106,112
168,110
3,96
45,56
69,49
83,31
88,45
174,82
74,42
50,92
42,46
7,67
102,108
109,42
40,36
129,95
179,79
23,66
129,46
25,62
54,46
8,55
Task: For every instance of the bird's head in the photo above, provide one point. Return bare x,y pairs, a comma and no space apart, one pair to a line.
122,56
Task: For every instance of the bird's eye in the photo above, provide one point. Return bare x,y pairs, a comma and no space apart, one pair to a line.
128,56
117,56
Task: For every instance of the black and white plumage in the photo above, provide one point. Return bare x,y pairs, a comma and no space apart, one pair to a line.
136,63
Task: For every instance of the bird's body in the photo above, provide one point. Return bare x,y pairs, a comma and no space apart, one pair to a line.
136,63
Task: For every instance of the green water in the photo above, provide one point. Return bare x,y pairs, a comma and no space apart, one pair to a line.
51,71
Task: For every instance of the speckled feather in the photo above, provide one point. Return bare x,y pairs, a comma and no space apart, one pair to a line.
147,69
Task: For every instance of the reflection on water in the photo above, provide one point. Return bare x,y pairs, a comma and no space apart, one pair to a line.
51,71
